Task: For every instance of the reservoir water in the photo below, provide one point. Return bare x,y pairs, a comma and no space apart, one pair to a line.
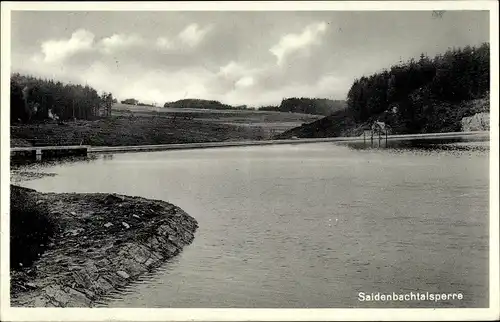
307,226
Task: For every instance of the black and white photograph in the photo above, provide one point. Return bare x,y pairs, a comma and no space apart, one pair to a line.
247,159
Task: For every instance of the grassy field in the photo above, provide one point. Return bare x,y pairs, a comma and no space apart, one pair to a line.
221,116
140,125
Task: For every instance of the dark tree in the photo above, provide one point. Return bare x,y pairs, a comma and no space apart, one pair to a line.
417,87
35,99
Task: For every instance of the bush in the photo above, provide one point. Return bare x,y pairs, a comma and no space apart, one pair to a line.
30,227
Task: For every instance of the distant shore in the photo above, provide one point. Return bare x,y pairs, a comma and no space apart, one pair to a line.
71,250
144,127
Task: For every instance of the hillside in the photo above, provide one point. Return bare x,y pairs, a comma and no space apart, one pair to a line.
144,125
316,106
445,118
303,105
424,96
121,131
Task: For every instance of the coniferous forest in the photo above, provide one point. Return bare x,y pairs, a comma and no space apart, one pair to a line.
415,88
36,99
421,95
305,105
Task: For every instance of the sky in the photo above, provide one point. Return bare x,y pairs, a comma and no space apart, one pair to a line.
249,58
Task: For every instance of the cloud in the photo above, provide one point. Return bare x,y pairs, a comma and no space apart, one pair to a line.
58,50
295,42
164,43
192,35
234,71
254,58
166,71
231,69
243,82
119,42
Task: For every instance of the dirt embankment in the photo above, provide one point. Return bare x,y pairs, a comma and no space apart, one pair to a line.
71,250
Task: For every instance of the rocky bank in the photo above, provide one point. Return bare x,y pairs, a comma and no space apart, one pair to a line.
476,122
88,245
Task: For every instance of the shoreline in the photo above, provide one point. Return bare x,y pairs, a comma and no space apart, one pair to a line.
100,243
460,140
206,145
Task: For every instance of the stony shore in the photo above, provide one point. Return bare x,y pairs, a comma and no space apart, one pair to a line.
97,244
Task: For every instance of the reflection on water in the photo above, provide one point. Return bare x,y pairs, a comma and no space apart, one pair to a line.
454,144
306,225
47,161
24,169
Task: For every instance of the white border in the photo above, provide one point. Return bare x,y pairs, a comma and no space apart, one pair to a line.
50,314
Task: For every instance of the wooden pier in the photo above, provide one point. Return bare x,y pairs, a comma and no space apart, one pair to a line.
39,152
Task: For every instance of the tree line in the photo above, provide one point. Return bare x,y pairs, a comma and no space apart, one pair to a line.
133,101
36,99
418,94
198,104
305,105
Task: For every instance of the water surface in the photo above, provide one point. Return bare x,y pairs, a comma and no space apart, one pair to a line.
307,225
